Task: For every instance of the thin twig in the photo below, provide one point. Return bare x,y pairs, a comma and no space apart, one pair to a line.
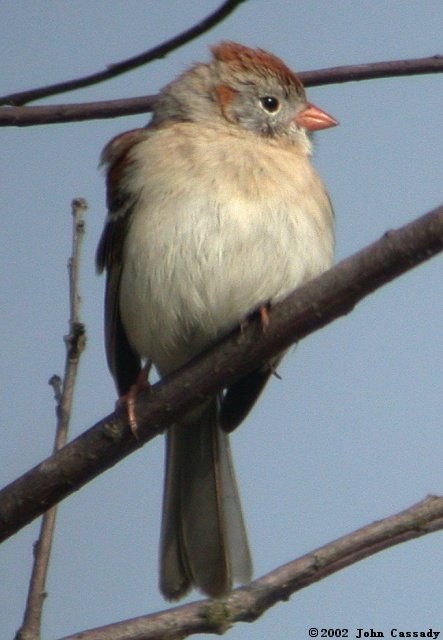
311,307
373,70
246,604
63,394
113,70
58,113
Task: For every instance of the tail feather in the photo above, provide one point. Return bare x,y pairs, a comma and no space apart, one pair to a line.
203,539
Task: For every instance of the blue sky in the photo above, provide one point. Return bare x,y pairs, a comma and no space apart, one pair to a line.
351,434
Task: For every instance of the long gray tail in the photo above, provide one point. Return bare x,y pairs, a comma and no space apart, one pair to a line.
203,538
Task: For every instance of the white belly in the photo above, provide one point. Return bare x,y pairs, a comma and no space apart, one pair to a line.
196,264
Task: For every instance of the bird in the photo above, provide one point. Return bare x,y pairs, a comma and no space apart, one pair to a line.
215,212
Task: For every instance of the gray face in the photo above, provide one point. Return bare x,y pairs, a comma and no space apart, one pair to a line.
257,101
267,107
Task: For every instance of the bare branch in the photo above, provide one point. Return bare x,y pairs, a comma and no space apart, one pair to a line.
51,114
246,604
373,71
113,70
309,308
63,393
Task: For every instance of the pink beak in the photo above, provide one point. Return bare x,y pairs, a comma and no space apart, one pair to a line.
312,118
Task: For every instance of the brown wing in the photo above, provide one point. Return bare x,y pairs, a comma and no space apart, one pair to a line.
123,361
241,396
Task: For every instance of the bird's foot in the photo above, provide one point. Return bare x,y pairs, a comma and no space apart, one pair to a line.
263,312
130,397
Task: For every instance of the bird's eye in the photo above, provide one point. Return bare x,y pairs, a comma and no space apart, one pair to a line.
270,104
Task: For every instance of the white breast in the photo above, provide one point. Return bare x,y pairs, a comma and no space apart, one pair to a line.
219,229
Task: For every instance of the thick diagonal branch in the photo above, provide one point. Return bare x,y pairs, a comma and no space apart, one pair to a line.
308,309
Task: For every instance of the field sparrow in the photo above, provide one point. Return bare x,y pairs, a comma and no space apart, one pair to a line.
215,212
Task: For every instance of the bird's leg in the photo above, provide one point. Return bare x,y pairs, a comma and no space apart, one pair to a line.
129,398
264,315
263,312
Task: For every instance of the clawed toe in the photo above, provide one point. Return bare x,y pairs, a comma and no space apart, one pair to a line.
129,398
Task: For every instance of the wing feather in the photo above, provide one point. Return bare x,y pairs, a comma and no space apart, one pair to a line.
123,361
